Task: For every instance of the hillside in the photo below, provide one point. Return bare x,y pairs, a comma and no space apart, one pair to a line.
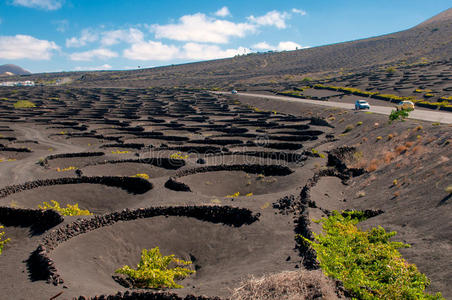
429,41
408,170
10,70
444,16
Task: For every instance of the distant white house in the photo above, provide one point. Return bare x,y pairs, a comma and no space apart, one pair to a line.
18,83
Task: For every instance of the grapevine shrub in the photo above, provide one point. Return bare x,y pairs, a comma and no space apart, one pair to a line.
154,271
69,210
367,262
24,104
398,114
3,241
142,175
178,155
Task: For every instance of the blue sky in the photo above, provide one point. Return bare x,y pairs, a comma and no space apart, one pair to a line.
68,35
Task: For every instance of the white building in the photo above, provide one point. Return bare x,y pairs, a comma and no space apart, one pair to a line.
18,83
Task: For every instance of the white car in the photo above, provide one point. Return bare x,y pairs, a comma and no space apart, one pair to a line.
234,92
405,105
362,104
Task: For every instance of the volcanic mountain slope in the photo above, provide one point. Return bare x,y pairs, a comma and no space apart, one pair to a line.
12,70
428,41
444,16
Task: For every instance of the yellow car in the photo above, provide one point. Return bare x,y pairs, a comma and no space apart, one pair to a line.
405,105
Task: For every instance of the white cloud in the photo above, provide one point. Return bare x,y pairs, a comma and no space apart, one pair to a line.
263,46
299,11
287,46
130,36
223,12
151,50
98,68
282,46
86,37
42,4
61,25
107,38
272,18
204,52
25,46
200,28
100,53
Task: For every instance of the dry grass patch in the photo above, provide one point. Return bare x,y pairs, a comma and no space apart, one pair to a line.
401,149
372,166
419,150
388,157
290,285
409,144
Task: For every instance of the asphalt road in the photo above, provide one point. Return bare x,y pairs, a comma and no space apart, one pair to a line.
417,114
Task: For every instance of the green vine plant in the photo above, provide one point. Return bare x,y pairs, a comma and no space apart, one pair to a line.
3,240
399,115
69,210
154,271
367,262
24,104
142,175
178,155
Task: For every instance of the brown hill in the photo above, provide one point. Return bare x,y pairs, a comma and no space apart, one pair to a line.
11,69
444,16
7,74
429,41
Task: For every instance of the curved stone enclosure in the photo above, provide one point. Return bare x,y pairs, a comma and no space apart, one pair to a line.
38,220
137,146
41,266
11,149
166,163
146,296
44,162
266,170
133,185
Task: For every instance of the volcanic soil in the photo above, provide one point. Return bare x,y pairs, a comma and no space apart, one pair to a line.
208,178
223,153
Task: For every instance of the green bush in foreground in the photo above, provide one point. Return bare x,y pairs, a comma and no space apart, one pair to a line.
399,114
2,241
70,210
153,270
24,104
367,262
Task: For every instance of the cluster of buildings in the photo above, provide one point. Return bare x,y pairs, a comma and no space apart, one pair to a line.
18,83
